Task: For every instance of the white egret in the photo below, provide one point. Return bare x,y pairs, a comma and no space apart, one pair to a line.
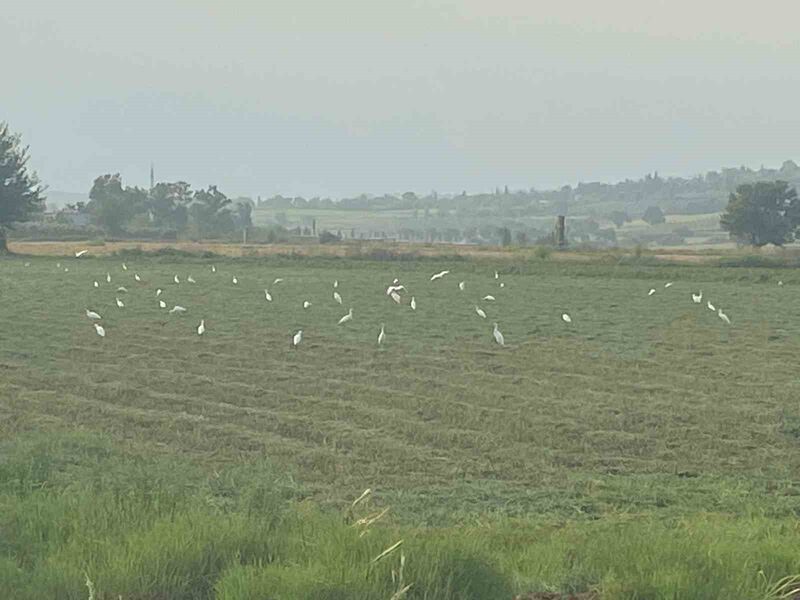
122,288
498,337
723,316
66,269
346,318
780,283
100,330
267,295
394,288
58,265
496,275
566,318
337,297
396,297
213,269
711,306
439,275
381,336
651,292
92,315
335,283
480,312
395,281
697,298
502,284
96,284
235,281
277,280
120,303
190,279
108,277
81,253
124,267
306,304
177,309
413,303
27,264
667,285
175,279
201,329
297,338
462,285
159,292
488,297
162,304
136,277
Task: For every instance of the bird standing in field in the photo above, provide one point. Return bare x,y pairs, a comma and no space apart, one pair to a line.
413,303
124,267
297,338
267,295
137,278
122,288
120,304
235,281
162,304
96,284
81,253
306,304
488,297
381,336
480,312
439,275
566,318
498,337
108,277
723,316
213,269
502,284
337,297
159,292
177,309
100,330
711,306
190,279
201,329
278,280
496,275
92,315
697,298
335,283
175,279
462,285
346,318
668,285
651,292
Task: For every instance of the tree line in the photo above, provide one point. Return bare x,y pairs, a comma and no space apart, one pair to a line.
757,212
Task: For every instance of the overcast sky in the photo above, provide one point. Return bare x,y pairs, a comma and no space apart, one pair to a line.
327,97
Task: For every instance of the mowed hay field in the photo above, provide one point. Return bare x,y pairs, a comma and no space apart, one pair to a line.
644,407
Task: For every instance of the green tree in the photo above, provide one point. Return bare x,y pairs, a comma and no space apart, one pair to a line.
20,191
618,218
654,216
242,216
766,212
210,212
112,206
169,204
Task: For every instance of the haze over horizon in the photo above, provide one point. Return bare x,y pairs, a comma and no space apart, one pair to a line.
311,98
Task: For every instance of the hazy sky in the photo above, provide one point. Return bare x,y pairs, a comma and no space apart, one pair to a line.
327,97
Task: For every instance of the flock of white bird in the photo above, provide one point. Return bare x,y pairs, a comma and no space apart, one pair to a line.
393,291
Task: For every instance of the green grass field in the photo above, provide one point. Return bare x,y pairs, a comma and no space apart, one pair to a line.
647,426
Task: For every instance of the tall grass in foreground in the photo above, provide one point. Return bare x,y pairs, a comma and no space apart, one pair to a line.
79,517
